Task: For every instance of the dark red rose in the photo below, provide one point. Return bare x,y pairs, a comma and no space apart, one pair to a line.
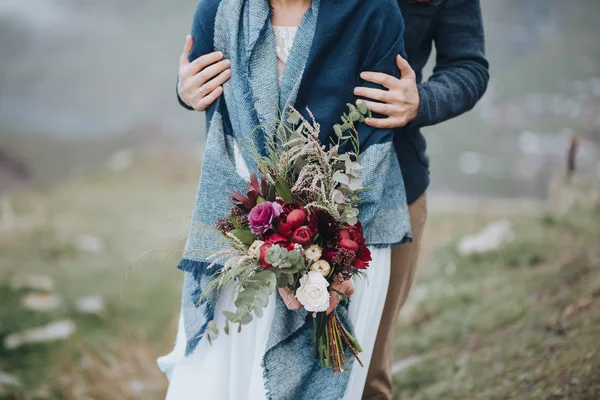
283,228
302,235
349,244
263,253
363,257
354,233
325,225
296,218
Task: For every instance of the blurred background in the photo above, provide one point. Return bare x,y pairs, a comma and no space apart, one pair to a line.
99,167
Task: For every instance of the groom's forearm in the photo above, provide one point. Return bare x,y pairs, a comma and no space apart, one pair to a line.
461,73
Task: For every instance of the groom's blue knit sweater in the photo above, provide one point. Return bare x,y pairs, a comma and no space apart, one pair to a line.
459,80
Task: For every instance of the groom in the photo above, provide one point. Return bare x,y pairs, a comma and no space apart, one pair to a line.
459,80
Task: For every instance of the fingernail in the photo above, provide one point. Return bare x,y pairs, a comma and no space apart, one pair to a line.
220,54
356,91
363,75
227,63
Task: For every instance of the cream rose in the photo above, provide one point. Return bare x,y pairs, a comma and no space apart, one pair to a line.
313,253
321,267
313,293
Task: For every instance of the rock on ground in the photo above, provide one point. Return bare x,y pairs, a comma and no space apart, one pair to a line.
492,237
90,305
41,302
54,331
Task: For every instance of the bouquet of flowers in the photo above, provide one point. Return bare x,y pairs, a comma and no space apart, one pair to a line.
297,227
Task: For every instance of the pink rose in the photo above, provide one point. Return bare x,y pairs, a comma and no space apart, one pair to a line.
261,216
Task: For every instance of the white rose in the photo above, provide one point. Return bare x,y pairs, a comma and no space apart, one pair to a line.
255,248
312,293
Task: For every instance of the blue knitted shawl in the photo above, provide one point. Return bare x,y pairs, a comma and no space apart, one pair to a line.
336,40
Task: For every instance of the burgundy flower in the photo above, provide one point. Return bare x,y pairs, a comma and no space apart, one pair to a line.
262,215
363,257
296,218
325,225
276,238
282,227
354,233
349,244
302,235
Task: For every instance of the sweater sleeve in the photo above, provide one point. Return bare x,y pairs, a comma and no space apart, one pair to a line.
203,32
461,73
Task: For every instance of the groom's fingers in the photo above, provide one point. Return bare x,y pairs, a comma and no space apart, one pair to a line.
382,123
379,108
374,94
382,79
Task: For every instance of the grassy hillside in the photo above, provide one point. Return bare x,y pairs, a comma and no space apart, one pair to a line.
520,323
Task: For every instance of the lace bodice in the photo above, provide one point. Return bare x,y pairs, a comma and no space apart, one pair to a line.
284,39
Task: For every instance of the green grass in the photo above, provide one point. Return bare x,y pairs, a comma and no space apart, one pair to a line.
520,323
147,207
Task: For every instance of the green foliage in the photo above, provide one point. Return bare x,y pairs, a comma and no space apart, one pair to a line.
283,190
245,236
253,296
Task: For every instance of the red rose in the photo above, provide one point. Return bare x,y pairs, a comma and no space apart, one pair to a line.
356,233
263,253
276,238
363,257
283,228
302,235
296,218
344,234
349,244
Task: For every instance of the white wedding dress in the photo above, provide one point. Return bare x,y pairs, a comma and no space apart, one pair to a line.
231,369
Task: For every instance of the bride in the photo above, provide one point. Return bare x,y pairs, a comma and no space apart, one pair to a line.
286,53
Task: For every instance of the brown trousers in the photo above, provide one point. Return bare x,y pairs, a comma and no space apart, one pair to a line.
404,263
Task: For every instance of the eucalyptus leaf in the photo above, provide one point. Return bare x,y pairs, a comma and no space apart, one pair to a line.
231,316
246,319
338,130
258,311
293,118
362,107
226,327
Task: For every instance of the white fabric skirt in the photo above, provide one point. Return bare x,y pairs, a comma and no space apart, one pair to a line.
231,368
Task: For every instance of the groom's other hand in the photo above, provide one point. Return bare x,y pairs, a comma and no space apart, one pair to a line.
399,103
200,81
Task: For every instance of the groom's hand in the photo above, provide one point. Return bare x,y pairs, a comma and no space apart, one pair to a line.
400,102
200,81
